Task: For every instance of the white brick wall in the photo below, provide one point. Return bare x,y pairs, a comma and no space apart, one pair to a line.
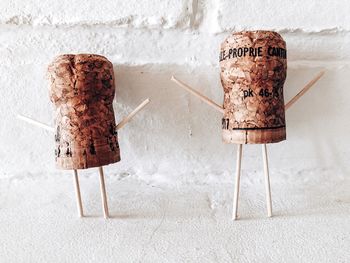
302,15
148,41
143,14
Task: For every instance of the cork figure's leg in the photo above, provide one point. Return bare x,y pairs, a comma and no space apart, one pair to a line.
77,192
238,175
267,181
103,193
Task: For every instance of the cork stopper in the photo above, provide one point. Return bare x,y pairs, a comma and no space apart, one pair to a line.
82,89
253,70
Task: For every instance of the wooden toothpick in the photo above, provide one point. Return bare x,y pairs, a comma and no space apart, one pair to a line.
103,193
36,123
198,94
304,90
132,114
237,182
77,192
119,125
267,181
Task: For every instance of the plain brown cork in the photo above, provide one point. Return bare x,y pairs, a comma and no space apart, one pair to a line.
253,70
82,89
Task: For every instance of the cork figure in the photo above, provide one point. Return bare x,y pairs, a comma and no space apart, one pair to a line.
253,71
82,90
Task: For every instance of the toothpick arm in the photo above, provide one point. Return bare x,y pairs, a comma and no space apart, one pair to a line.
221,109
132,114
36,123
304,90
198,95
51,129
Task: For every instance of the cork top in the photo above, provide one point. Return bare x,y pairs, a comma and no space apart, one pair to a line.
254,35
88,77
260,32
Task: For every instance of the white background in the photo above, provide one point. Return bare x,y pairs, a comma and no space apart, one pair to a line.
150,41
171,193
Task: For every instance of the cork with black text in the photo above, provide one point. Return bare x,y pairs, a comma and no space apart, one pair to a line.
253,70
82,89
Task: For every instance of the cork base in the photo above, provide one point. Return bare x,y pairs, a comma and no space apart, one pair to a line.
81,159
262,136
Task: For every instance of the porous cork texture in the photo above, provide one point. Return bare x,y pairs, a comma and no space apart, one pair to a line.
82,89
253,70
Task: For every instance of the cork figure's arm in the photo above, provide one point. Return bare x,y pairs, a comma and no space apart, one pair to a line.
119,125
36,123
198,95
132,114
221,109
304,90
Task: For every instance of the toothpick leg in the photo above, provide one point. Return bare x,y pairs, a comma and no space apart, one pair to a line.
103,193
267,181
238,175
77,192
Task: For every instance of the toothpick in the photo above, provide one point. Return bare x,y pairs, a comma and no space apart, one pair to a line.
103,193
304,90
119,126
198,95
237,181
132,114
267,181
36,123
77,192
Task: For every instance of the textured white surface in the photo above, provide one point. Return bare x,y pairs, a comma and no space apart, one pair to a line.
309,16
176,134
152,13
176,222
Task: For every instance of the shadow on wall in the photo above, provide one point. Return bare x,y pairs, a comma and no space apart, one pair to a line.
179,133
175,132
316,122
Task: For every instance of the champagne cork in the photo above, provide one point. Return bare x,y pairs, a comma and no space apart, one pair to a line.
82,89
253,70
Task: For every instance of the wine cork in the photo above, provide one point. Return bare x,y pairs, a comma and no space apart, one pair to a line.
253,70
82,89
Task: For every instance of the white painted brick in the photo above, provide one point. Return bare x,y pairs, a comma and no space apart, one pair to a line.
303,15
138,47
147,43
152,13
